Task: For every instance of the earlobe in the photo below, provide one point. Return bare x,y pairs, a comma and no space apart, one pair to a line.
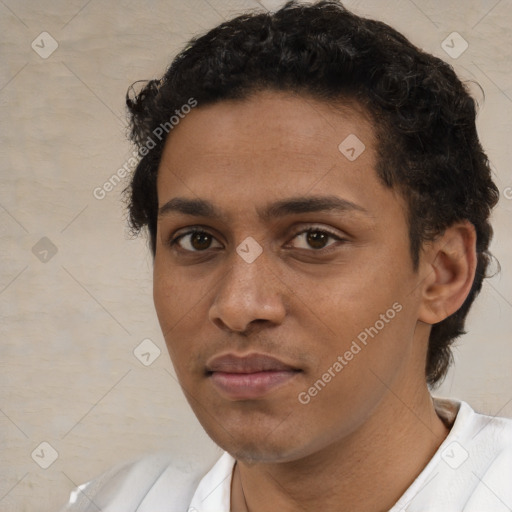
449,265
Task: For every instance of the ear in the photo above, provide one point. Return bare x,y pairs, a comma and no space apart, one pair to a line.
449,264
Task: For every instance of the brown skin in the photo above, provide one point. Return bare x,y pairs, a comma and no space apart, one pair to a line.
361,441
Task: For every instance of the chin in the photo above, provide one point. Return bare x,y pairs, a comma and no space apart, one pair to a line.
260,447
261,454
257,432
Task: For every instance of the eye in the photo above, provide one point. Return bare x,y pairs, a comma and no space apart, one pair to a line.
198,240
317,239
195,241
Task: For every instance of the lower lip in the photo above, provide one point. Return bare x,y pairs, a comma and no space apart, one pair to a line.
243,386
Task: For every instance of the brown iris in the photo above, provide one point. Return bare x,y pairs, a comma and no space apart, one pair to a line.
317,239
200,241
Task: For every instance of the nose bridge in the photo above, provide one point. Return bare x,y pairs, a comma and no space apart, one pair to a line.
248,291
247,275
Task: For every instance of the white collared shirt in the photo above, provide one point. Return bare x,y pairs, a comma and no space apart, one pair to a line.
470,472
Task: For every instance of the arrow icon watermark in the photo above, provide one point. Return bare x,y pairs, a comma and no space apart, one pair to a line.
454,45
147,352
351,147
44,250
44,45
44,455
249,250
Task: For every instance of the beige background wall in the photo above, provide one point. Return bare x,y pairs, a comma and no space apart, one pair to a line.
71,320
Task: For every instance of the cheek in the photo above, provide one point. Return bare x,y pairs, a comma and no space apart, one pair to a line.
181,304
165,292
175,295
366,317
352,296
174,302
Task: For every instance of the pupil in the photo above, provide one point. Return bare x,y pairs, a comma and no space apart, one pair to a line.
316,239
201,241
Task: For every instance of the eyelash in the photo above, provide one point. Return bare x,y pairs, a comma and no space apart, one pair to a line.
174,241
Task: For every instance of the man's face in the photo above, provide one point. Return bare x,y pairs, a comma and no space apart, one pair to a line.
345,292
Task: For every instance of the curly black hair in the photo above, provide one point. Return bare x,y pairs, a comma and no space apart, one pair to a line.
424,119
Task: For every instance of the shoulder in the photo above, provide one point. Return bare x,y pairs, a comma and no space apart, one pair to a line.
478,441
153,482
485,433
472,469
480,456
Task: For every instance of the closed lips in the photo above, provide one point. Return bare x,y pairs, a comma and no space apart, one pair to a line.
252,363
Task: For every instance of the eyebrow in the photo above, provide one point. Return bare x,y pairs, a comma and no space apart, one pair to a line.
282,208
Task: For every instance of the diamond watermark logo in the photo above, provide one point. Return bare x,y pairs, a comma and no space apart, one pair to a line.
44,45
249,250
454,45
351,147
44,250
45,455
454,455
147,352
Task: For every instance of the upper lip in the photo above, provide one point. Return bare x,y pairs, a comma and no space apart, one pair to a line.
251,363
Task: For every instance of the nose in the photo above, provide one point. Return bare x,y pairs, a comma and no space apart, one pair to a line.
248,294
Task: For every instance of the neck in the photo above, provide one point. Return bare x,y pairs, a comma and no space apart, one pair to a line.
368,471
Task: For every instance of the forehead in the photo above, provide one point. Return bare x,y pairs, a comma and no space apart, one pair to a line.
271,145
276,121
